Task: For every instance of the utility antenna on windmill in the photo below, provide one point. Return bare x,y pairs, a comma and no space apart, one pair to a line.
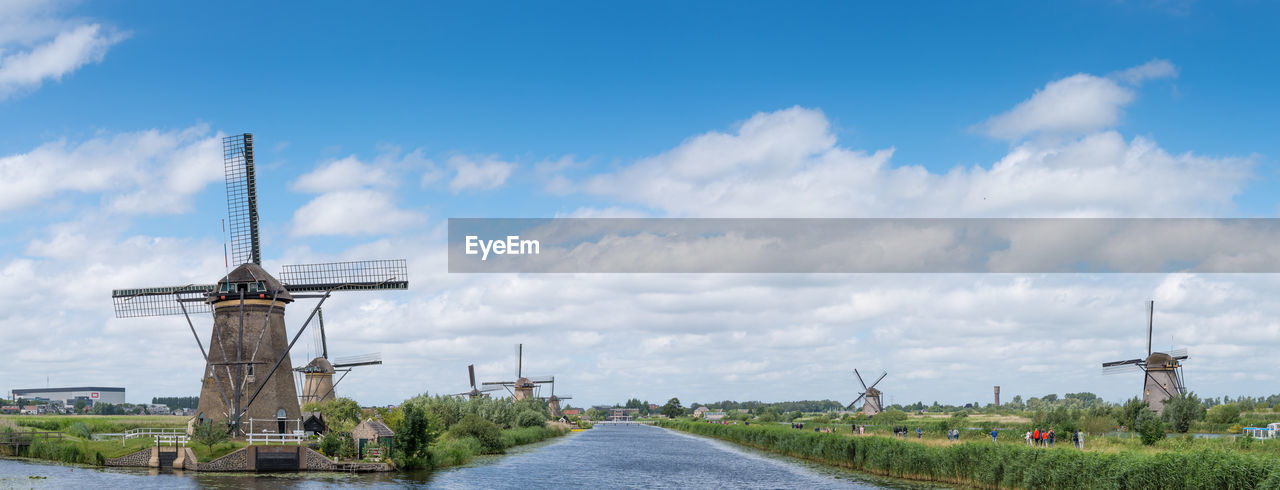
249,343
871,394
523,387
476,392
1162,371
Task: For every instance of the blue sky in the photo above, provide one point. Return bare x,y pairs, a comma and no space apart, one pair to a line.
617,91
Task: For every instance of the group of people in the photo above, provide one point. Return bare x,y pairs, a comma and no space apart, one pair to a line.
1037,437
902,431
953,434
1046,438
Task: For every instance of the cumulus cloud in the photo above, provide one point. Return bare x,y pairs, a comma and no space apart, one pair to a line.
478,173
789,164
37,46
353,212
1075,105
346,173
144,172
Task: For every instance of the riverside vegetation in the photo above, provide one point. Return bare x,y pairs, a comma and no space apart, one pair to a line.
440,431
1004,465
431,431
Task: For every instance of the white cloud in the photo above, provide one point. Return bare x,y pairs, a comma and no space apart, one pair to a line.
36,46
789,164
479,174
346,173
1151,70
354,212
1074,105
144,172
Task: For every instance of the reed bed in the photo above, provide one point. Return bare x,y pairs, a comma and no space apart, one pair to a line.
994,465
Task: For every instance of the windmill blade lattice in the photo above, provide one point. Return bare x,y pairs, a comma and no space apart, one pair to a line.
162,301
242,199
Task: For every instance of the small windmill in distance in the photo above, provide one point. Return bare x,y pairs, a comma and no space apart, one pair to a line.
1162,371
553,402
523,387
317,375
872,405
476,392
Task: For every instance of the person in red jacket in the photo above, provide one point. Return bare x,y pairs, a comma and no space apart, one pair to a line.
1036,436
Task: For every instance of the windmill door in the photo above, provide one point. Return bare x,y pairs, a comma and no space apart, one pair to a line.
280,421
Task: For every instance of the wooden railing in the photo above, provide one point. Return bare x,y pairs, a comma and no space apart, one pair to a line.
269,437
25,438
172,440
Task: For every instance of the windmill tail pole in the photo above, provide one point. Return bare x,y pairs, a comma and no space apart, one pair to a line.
282,356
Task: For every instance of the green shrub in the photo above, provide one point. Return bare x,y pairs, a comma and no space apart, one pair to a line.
1227,413
331,444
484,431
79,429
1149,427
530,418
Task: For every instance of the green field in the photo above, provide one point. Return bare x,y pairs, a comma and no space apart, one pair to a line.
99,424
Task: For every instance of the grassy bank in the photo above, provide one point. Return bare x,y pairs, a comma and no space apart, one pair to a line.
77,451
453,452
986,464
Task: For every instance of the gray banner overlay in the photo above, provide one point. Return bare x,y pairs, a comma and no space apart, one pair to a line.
1015,245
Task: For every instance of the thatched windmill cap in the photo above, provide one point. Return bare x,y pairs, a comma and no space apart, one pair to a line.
254,274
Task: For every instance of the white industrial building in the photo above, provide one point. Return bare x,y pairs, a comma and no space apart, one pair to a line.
69,396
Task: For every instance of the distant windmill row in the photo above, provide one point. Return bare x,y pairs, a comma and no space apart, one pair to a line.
1161,373
523,387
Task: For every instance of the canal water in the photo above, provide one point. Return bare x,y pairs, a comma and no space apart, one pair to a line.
635,456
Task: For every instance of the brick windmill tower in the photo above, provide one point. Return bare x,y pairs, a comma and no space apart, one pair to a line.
242,383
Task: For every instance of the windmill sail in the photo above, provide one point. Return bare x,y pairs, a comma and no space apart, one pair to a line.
242,199
360,360
162,301
364,275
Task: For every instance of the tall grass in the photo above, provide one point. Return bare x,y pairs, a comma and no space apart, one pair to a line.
994,465
461,450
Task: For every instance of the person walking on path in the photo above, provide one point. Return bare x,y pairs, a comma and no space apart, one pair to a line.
993,435
919,433
1028,438
1035,436
1051,436
1075,439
